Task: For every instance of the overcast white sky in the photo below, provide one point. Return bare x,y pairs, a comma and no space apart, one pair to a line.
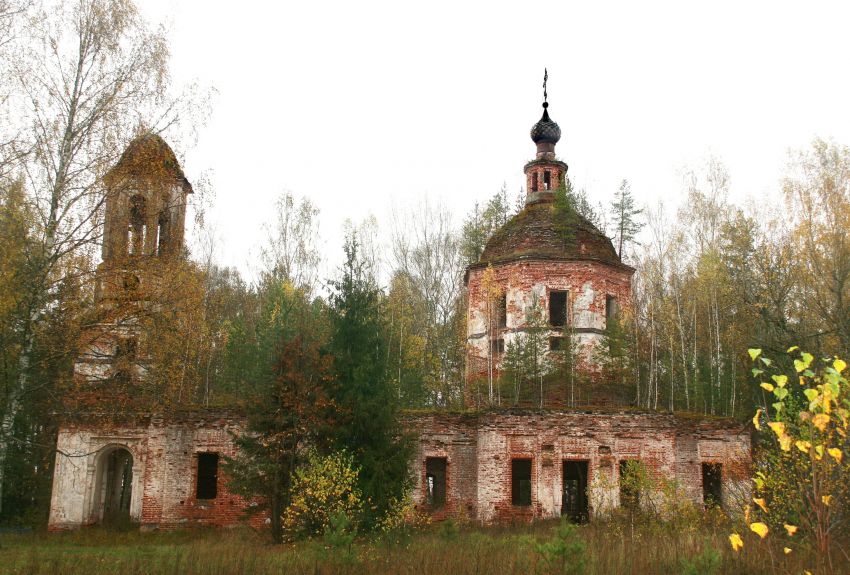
360,104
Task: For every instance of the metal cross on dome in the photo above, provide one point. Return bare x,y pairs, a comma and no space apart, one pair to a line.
545,79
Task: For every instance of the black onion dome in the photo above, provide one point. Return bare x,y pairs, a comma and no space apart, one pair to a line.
545,130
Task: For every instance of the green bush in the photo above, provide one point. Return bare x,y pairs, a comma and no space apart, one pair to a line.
708,562
563,553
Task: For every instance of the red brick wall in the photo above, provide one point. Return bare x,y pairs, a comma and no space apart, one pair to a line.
480,447
165,454
588,282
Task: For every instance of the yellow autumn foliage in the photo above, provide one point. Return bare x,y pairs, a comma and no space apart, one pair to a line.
326,486
807,485
759,529
736,542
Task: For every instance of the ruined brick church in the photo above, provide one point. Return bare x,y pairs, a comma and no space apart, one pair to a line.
487,465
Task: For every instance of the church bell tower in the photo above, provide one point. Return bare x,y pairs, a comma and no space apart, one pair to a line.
144,222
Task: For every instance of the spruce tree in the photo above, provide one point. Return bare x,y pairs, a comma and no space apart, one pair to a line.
288,404
363,396
625,214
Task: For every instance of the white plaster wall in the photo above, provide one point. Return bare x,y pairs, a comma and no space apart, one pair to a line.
77,492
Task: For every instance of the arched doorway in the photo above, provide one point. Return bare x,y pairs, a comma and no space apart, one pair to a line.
114,487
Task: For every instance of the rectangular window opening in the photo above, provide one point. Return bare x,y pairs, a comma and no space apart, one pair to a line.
557,308
497,345
207,484
502,312
124,359
630,477
534,182
574,503
556,344
435,481
521,482
611,307
126,349
712,484
547,180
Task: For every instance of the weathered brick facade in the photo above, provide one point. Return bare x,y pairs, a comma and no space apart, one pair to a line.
496,465
588,285
164,482
479,448
545,256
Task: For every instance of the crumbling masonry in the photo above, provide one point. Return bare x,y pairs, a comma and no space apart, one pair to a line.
487,465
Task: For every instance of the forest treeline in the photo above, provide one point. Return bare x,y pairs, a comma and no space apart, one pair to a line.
385,332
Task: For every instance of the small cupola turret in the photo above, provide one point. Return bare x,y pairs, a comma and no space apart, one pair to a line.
545,173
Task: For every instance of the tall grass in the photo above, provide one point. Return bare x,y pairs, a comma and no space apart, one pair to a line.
615,547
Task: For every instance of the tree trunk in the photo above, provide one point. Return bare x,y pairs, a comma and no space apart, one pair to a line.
684,353
14,402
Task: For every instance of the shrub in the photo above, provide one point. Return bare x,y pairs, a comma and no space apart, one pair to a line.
324,488
708,562
802,483
565,552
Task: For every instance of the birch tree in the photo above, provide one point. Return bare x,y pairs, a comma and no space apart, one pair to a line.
84,78
425,250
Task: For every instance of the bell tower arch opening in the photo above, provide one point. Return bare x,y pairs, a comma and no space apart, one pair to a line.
137,227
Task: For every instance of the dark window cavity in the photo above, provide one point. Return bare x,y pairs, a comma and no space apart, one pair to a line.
611,307
557,308
502,312
574,501
207,485
497,345
435,481
521,482
131,282
556,343
124,360
162,234
630,479
126,349
137,225
712,490
534,182
547,180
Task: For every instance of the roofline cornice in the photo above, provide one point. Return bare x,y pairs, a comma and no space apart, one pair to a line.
514,259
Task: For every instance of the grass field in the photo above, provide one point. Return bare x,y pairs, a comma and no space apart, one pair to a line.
615,547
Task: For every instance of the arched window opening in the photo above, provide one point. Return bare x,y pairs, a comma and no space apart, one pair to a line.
113,487
137,226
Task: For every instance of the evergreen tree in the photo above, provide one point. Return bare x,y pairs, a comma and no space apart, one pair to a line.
362,392
481,224
615,357
624,214
565,216
565,364
290,406
571,207
526,356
